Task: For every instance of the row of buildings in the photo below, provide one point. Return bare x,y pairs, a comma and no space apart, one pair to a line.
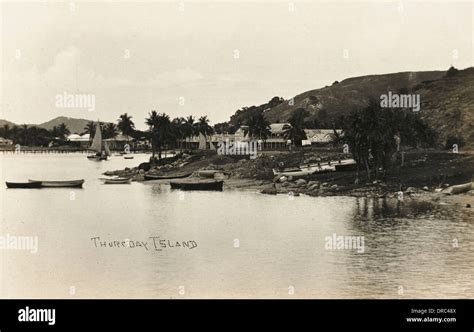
277,140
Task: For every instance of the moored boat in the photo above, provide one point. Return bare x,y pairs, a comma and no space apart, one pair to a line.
128,157
99,146
60,184
149,177
197,184
117,181
24,185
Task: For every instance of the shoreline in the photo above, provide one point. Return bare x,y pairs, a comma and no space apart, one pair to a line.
423,176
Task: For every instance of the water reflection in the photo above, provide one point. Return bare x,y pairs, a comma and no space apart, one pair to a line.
281,241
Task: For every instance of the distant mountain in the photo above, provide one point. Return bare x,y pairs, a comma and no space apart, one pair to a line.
74,125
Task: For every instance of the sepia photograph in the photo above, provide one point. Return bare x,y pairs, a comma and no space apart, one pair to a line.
236,150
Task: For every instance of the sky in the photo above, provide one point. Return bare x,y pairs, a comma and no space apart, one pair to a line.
211,58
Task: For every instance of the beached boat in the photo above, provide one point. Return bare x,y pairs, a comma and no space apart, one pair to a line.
149,177
305,170
197,184
117,181
60,184
24,185
457,189
346,165
209,173
99,146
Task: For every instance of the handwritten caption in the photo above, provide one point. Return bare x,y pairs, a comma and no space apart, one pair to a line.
154,243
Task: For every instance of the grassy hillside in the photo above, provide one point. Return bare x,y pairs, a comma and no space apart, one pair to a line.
340,98
447,104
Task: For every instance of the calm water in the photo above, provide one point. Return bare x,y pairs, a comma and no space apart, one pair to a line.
249,245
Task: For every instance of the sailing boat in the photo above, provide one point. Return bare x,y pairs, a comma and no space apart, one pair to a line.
99,146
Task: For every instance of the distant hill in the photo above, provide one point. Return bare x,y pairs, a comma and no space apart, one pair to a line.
447,100
74,125
341,97
5,122
447,104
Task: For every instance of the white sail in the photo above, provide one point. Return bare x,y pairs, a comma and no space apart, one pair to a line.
106,149
202,142
97,141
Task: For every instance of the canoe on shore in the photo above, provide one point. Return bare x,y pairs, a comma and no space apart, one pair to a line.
346,167
458,189
209,173
304,171
149,177
24,185
117,181
60,184
331,166
197,184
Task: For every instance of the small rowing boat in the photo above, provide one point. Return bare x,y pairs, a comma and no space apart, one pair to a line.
24,185
457,189
149,177
117,181
60,184
128,157
197,184
209,173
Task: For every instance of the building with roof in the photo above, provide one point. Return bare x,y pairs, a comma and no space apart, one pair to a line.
321,135
5,141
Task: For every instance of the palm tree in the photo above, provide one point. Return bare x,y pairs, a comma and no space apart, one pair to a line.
125,124
203,127
257,127
110,130
23,134
6,131
63,131
297,133
189,127
178,130
159,131
90,129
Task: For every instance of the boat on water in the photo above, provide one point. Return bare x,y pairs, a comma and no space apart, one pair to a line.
117,181
128,157
149,177
197,184
24,185
99,146
60,184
